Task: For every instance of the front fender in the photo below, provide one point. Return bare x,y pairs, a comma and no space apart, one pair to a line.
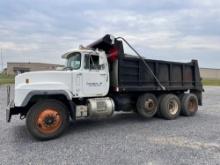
24,92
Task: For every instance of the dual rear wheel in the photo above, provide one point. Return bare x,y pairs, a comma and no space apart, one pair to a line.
189,105
168,106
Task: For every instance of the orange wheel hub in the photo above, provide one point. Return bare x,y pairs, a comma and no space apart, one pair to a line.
49,121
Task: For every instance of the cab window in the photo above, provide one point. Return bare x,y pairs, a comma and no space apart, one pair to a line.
92,62
74,61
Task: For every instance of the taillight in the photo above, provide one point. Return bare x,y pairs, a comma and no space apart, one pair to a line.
113,54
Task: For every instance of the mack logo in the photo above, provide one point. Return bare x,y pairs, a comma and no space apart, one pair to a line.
94,84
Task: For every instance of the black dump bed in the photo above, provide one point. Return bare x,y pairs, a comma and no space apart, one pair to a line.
129,73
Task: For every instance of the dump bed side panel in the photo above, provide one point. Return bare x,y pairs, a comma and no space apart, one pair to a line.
133,75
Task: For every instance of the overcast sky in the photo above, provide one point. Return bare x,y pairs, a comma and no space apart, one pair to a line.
42,30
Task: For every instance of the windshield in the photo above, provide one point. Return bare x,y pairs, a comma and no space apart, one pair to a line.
74,61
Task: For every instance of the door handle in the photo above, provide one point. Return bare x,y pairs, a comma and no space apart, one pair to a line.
79,74
103,74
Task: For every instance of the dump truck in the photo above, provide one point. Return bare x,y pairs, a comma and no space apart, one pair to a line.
97,81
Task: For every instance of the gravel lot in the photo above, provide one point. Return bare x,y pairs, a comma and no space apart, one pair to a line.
122,139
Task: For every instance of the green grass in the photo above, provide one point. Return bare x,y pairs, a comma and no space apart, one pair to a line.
6,79
211,82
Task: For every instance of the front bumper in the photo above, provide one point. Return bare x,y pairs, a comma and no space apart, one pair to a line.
9,110
10,105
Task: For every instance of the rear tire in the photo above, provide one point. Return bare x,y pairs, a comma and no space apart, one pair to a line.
47,119
158,114
189,104
147,105
170,107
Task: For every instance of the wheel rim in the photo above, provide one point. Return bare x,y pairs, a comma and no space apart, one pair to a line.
173,107
192,105
149,105
49,121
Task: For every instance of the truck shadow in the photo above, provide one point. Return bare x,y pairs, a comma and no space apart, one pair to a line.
119,119
20,132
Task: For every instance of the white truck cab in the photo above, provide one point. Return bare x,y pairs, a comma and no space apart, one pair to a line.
85,75
84,79
90,76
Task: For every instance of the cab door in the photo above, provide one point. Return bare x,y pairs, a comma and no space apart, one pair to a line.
95,77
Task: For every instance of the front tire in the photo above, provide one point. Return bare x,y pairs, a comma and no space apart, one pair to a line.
47,119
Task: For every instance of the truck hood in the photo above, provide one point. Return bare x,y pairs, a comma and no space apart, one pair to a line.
44,80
